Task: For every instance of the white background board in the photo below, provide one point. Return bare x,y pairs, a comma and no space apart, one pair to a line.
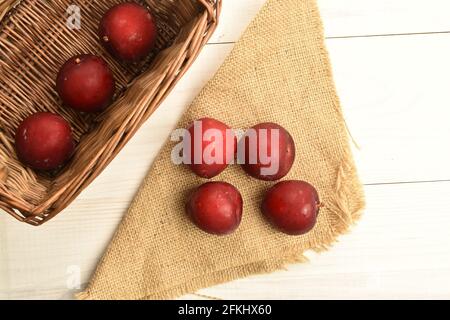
392,70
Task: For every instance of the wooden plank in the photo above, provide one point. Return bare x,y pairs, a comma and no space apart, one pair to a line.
398,251
393,110
394,92
368,17
346,18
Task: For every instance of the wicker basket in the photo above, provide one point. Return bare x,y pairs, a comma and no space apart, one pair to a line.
35,42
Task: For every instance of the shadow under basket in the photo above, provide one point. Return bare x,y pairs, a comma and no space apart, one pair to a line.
35,41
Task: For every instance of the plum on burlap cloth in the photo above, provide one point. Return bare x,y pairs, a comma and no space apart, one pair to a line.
279,71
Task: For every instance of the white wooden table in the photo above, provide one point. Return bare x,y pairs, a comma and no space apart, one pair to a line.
391,62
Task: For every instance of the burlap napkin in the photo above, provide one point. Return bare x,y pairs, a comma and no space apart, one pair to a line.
279,71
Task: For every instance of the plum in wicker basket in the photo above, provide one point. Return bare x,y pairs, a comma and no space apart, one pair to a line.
35,41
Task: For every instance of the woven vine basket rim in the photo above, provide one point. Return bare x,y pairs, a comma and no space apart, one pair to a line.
185,26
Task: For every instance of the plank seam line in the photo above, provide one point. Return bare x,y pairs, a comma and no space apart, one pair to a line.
388,35
404,182
358,36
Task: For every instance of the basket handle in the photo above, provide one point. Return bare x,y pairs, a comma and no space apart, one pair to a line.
5,6
213,8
